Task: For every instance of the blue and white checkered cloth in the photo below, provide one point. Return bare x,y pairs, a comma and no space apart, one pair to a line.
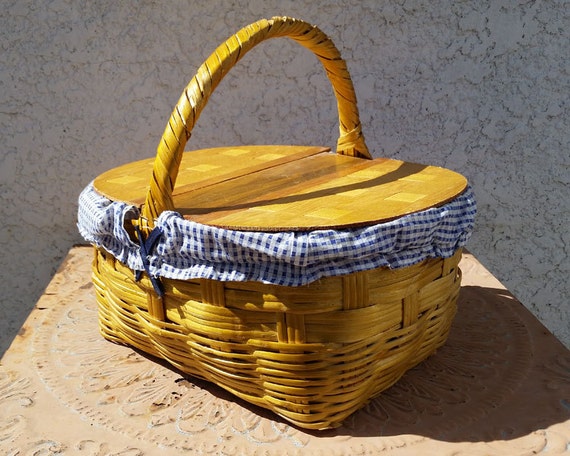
190,250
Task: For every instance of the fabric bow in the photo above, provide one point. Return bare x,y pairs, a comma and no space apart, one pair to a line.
146,248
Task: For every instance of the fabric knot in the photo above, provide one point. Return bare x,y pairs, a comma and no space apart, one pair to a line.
147,247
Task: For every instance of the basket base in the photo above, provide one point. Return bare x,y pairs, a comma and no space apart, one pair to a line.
312,354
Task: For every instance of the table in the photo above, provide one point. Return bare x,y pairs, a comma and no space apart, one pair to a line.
501,385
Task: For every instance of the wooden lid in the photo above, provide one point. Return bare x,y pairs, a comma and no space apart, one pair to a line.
289,188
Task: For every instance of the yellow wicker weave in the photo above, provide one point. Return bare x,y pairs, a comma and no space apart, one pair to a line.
313,354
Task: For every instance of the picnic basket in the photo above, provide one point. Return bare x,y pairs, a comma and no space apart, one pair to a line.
301,280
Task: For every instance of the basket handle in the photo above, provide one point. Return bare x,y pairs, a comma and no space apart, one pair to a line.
196,95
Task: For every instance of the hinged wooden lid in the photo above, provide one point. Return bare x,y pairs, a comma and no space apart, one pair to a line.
289,188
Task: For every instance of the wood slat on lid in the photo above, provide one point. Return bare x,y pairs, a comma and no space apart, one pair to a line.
284,188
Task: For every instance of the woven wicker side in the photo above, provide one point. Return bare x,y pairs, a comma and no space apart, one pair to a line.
312,354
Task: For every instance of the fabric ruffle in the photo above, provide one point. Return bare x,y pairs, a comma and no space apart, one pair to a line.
190,250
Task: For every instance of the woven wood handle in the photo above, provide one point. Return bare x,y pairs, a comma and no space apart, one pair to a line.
196,95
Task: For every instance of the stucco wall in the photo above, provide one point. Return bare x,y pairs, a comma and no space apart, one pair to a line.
479,87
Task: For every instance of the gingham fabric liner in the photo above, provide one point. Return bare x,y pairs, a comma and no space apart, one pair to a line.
189,250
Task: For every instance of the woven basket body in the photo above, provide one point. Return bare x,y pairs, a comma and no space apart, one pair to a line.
313,353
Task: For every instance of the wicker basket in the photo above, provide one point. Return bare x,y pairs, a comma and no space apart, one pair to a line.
312,353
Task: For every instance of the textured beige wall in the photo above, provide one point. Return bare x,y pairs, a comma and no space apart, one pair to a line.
477,86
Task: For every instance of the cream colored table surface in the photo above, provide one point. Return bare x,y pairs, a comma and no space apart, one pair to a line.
501,385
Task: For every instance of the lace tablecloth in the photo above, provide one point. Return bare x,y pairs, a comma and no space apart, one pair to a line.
501,385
